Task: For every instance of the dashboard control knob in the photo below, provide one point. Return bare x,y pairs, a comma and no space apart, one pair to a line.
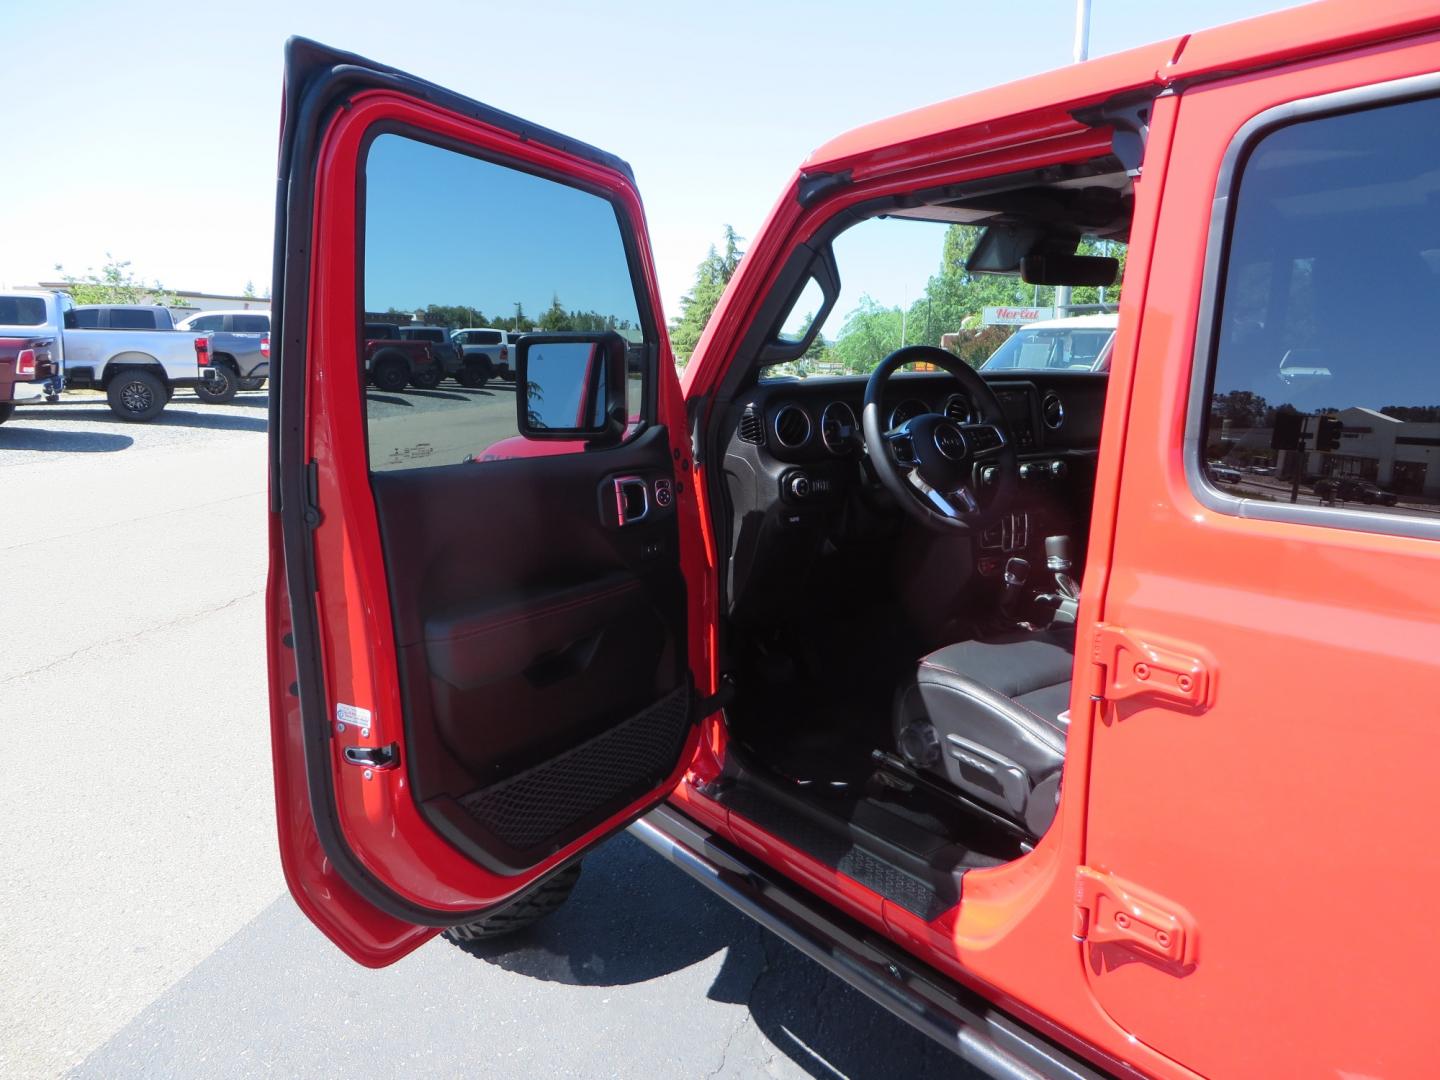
1028,471
990,475
1058,469
800,486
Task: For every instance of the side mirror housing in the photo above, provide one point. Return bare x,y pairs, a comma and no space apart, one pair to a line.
571,386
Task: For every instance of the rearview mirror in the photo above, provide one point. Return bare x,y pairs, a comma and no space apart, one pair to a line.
1092,270
571,386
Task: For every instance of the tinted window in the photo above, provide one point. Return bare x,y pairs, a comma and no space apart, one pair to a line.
250,324
428,211
22,311
481,337
131,319
1327,359
82,318
205,323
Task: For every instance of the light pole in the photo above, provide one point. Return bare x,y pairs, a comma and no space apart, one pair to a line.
517,316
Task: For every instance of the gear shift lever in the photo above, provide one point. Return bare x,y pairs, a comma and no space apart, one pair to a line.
1058,562
1017,573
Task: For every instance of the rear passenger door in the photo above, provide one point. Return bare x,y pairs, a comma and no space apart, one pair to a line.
1259,890
480,649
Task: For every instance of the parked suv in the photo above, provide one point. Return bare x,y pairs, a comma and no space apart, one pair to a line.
1009,715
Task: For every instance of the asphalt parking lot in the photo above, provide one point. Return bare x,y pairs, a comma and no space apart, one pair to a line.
148,931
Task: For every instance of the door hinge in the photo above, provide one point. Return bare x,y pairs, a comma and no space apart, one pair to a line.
1136,663
1114,912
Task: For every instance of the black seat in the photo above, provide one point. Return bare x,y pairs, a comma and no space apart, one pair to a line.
991,718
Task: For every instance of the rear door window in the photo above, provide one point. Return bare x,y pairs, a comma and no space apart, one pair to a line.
250,324
1325,380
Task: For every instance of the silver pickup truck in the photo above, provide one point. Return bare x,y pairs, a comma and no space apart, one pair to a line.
235,354
131,351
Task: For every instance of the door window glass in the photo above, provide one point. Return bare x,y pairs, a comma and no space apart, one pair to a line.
250,324
131,319
1325,385
22,311
453,241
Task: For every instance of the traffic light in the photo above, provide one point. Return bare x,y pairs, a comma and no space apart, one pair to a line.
1327,435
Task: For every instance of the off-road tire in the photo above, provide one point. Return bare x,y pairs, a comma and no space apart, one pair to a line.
7,410
474,375
220,390
427,378
137,395
389,373
527,910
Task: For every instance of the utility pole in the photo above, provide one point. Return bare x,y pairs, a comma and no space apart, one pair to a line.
1080,54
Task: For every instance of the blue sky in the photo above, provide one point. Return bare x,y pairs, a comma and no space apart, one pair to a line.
151,134
445,228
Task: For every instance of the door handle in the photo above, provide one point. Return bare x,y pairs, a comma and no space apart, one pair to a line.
632,500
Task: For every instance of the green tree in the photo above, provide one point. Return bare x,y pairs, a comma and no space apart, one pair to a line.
115,283
696,306
555,319
249,292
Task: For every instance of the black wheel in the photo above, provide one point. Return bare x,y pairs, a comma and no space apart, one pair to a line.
7,410
253,383
389,373
518,914
475,374
137,394
427,378
221,388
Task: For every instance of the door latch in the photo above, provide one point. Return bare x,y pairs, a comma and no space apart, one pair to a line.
373,757
1111,911
1139,663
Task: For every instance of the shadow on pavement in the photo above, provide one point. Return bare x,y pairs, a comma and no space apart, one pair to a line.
17,435
439,395
634,918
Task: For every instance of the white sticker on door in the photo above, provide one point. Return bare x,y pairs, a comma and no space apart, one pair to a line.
352,715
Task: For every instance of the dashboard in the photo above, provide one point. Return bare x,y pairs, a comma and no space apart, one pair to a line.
819,419
798,479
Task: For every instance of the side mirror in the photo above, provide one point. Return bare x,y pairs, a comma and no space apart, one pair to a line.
571,386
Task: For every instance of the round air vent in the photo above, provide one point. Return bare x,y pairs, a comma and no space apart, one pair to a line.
838,430
1052,409
792,427
959,408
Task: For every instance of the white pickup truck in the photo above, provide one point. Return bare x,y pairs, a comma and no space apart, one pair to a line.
131,351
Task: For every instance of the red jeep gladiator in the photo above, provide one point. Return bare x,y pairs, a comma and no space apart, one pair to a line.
1045,705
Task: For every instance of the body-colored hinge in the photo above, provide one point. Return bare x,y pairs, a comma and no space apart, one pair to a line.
1111,911
1139,663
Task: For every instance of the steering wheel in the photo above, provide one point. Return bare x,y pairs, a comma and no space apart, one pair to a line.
945,474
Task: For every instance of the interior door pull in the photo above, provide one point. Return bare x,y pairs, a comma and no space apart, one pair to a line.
632,499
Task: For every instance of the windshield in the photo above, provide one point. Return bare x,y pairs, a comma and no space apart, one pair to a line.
1034,348
905,282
